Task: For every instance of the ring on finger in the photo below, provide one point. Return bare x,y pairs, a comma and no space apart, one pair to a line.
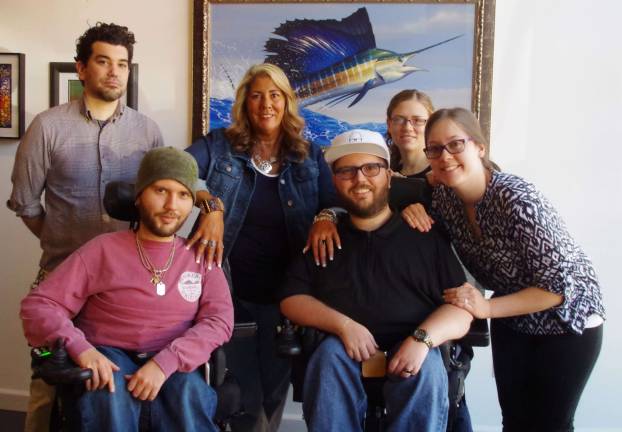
408,371
211,243
204,241
323,241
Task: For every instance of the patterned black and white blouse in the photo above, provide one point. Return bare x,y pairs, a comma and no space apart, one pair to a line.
523,243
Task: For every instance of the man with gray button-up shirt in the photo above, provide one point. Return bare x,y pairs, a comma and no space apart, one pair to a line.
70,152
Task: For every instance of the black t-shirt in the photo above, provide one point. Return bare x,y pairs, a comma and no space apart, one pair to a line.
423,174
389,280
408,190
260,254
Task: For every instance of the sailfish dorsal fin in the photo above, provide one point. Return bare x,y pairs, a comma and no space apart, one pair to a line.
312,45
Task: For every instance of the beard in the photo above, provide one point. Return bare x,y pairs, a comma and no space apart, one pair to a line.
150,222
109,95
362,210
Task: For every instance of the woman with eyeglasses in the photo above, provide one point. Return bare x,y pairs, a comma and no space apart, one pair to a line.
407,114
546,310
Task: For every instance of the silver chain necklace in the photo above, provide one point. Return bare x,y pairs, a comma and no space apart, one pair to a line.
156,274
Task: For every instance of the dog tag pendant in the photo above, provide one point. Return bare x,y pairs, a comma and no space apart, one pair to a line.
160,288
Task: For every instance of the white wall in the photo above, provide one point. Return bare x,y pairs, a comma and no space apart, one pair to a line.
557,101
556,108
46,32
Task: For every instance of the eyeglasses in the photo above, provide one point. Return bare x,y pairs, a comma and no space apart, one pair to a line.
398,120
349,172
452,147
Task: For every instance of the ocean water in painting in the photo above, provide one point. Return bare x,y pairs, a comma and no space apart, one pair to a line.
320,128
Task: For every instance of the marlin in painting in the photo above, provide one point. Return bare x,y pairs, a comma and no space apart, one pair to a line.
336,60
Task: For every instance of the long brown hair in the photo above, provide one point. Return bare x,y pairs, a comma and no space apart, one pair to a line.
403,96
240,132
466,121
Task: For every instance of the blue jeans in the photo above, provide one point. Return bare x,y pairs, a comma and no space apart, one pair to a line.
185,402
335,400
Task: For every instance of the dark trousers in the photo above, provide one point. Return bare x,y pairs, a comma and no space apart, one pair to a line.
540,378
262,375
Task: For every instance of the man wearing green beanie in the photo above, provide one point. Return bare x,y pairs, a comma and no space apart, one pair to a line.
167,163
139,311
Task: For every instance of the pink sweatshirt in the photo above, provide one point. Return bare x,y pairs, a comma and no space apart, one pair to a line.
102,295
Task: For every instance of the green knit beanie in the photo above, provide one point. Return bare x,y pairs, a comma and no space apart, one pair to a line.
167,163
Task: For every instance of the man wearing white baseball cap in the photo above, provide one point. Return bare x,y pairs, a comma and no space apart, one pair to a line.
381,294
357,141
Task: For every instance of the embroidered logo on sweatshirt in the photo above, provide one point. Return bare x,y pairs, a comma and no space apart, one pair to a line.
189,286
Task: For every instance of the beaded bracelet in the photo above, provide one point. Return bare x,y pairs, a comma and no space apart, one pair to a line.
211,205
326,215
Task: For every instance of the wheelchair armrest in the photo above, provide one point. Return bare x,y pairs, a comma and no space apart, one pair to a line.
244,329
56,367
478,334
218,361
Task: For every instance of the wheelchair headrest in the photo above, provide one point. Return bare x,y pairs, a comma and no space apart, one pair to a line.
119,201
405,191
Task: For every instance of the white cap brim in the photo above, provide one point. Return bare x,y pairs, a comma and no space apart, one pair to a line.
338,151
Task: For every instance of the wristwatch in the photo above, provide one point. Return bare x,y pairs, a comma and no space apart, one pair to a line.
420,335
211,205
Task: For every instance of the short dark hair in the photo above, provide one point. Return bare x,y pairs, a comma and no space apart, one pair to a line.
110,33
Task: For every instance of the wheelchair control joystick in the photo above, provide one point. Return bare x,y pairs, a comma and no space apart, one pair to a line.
287,343
55,366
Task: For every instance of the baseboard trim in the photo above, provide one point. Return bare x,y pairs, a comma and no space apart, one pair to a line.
17,400
296,418
488,428
13,400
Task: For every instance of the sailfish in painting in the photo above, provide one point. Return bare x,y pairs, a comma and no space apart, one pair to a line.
336,60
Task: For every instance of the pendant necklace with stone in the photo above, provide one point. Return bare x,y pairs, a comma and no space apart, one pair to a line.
156,274
263,165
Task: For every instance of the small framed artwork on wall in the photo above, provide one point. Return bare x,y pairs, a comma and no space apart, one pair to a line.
12,72
65,85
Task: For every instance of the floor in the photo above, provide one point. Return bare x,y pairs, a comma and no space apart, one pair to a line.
12,421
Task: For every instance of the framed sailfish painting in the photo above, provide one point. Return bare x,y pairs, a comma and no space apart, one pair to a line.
344,60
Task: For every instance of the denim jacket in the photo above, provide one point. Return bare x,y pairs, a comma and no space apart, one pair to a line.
304,187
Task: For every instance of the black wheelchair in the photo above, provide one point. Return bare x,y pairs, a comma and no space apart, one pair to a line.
299,344
54,366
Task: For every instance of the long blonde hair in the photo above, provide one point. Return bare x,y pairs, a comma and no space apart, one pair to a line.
240,132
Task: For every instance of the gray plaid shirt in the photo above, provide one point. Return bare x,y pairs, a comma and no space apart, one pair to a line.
70,156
